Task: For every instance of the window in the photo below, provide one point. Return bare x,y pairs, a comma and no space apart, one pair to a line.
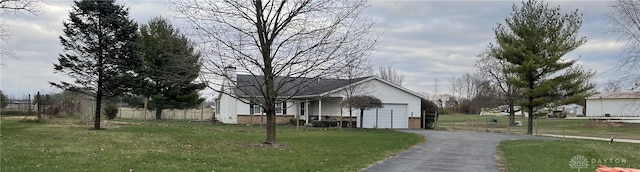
281,107
278,107
254,108
303,108
257,109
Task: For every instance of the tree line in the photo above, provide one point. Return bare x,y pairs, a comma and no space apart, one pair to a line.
526,65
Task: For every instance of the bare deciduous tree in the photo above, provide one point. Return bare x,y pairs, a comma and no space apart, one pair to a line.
356,67
626,23
612,86
466,86
32,7
494,69
390,74
273,39
16,6
470,84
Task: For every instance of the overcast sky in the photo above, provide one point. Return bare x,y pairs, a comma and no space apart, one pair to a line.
424,40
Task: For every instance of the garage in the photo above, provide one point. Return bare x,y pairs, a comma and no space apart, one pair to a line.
385,119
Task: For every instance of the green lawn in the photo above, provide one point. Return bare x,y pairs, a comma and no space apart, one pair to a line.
64,145
541,126
557,155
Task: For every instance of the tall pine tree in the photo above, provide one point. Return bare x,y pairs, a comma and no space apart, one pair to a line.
535,39
171,66
100,46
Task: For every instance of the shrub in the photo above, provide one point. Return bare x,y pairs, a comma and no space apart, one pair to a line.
292,121
428,106
111,111
444,111
324,123
468,107
349,124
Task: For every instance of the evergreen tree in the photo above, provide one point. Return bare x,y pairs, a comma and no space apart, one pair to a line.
171,66
534,41
3,100
99,51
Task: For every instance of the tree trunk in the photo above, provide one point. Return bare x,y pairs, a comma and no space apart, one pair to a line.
96,120
100,83
530,107
512,115
39,107
271,125
530,119
361,115
351,117
269,87
158,111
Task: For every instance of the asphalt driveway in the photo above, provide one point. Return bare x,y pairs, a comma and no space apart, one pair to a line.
449,151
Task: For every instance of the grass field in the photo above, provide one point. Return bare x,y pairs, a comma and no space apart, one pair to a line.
565,155
64,145
541,126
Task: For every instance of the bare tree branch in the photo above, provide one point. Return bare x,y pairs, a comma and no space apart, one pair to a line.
390,74
626,23
33,7
272,39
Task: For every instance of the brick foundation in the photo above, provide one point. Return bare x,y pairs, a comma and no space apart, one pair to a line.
414,122
257,119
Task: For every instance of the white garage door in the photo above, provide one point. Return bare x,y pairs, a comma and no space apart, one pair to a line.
384,118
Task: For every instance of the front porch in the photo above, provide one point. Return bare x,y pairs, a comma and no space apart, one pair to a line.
323,109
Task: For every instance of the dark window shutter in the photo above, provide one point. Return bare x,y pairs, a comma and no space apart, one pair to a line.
251,108
284,107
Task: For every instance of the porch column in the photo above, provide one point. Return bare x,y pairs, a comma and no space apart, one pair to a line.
306,111
320,109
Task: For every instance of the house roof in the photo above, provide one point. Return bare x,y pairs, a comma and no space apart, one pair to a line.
295,86
383,81
316,87
617,95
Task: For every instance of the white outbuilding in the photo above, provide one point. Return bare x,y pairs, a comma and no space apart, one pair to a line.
620,104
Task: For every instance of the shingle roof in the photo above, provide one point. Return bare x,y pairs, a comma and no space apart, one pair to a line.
292,86
618,95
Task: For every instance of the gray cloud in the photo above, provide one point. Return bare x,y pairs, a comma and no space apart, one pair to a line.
438,40
424,40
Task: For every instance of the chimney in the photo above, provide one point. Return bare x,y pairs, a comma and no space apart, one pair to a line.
230,71
230,80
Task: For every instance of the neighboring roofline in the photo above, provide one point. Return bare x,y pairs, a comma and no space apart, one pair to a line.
617,95
598,98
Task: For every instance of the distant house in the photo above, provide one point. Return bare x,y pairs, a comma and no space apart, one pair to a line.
620,104
319,101
571,109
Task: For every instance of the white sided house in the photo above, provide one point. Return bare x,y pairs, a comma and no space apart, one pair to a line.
319,101
620,104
